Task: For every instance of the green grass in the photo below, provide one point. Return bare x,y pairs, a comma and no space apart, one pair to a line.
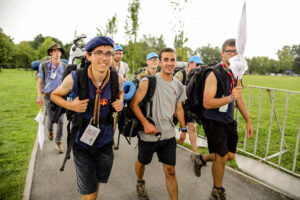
292,122
17,130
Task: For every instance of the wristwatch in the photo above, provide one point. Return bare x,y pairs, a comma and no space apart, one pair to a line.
183,129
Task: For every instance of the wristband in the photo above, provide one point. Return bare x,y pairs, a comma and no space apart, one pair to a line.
230,98
183,129
40,97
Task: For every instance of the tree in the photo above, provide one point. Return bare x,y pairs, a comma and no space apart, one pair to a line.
131,28
24,55
209,54
42,50
296,58
180,38
285,59
111,28
37,41
6,48
131,24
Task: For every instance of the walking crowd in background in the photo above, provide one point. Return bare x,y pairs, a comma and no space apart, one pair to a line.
93,95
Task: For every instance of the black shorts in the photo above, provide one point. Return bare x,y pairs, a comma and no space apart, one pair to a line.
221,137
92,169
165,150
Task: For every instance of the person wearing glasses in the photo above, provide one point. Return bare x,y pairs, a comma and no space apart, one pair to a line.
93,153
152,64
219,125
193,63
121,67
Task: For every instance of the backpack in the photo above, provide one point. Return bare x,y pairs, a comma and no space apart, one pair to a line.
128,124
195,89
76,119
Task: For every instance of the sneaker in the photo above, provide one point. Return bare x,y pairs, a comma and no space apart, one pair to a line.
59,148
217,194
197,159
141,190
50,135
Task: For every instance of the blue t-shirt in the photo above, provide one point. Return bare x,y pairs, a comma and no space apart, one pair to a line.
51,84
106,133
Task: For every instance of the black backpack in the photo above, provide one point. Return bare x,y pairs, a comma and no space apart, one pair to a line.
76,119
128,124
195,89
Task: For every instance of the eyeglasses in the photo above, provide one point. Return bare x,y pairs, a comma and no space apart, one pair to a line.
100,54
153,59
230,51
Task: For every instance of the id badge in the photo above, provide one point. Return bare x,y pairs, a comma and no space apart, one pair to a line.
89,135
53,75
223,108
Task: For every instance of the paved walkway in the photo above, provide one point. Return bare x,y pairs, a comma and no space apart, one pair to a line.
51,184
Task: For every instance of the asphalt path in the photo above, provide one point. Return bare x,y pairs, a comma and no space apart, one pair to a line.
51,184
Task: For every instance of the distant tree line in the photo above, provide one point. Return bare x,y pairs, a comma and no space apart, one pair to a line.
21,55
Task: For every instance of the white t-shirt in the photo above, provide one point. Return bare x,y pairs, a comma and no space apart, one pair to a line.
124,69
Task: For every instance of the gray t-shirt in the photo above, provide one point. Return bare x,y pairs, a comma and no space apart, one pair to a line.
166,96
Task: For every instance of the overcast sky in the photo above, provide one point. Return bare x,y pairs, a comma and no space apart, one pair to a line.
271,24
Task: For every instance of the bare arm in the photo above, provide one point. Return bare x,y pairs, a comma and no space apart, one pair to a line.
180,116
210,90
243,110
39,92
134,105
57,96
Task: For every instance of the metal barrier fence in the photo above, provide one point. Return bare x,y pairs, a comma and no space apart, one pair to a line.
264,96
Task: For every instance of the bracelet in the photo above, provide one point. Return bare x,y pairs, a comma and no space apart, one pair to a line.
230,98
40,97
183,129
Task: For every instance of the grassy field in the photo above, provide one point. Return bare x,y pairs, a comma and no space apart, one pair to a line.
292,122
17,130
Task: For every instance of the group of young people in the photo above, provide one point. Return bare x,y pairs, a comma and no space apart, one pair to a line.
93,148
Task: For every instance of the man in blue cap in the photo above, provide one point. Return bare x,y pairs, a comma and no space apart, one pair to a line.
152,64
121,67
93,121
194,62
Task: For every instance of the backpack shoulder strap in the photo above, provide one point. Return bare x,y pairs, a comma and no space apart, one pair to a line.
83,84
114,83
220,81
184,76
151,88
44,69
64,65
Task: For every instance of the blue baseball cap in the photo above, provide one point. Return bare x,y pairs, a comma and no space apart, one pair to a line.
151,55
196,59
118,48
99,41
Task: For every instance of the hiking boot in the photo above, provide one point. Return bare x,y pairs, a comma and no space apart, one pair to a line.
141,190
197,159
59,148
217,194
50,135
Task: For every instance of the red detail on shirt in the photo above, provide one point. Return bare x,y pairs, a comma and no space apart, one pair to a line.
103,102
230,73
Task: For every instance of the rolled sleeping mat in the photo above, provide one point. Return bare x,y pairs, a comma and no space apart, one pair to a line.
64,61
35,65
129,90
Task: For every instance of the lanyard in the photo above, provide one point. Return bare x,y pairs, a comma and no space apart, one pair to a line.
230,73
54,66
